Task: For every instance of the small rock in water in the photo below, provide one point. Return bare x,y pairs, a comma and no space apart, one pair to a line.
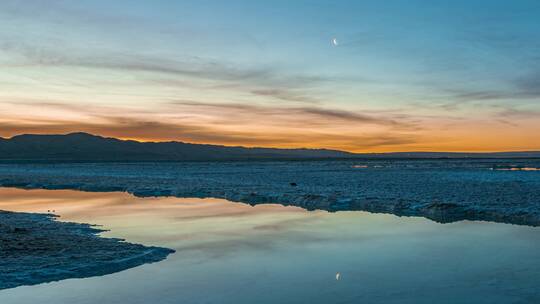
293,184
19,230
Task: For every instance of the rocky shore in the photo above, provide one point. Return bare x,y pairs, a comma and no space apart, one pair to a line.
35,248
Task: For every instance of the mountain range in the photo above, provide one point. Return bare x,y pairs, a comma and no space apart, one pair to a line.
84,147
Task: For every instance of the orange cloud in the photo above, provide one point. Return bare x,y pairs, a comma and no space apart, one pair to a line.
272,126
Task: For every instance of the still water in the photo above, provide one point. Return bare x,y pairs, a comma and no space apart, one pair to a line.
234,253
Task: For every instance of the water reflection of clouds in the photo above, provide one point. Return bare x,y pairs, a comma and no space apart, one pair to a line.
518,169
215,226
232,252
82,203
168,220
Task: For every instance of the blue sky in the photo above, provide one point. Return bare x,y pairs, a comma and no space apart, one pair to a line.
405,75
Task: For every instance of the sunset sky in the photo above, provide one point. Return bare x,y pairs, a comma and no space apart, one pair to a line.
401,76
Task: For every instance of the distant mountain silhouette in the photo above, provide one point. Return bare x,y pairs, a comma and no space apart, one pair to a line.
86,147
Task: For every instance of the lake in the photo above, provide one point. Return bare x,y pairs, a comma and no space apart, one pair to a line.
235,253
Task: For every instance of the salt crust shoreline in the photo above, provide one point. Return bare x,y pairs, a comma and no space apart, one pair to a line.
36,248
441,190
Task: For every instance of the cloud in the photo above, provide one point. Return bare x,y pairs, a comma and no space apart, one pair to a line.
304,115
519,90
346,116
286,95
157,131
507,112
263,80
228,124
529,85
504,66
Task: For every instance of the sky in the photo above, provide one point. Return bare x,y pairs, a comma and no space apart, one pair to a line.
413,75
